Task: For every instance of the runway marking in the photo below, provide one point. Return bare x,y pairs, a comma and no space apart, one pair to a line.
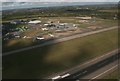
63,76
100,57
104,72
112,52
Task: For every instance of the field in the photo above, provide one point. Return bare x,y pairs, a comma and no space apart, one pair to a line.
47,60
76,20
101,11
13,44
102,16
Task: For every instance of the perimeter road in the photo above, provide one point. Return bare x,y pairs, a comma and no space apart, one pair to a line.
59,40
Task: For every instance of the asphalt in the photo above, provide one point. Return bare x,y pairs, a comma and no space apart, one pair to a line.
102,72
85,64
58,40
92,68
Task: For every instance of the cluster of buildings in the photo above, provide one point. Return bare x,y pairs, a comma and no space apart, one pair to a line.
55,26
59,26
44,26
84,19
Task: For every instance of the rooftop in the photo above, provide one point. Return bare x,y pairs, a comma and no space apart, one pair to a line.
34,22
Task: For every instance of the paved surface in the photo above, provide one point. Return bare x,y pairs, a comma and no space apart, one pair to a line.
85,64
59,40
99,74
94,68
88,70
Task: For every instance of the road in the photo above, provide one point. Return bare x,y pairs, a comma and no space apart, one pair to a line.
94,69
102,72
58,40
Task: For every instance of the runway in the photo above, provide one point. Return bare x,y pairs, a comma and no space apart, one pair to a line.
94,70
54,41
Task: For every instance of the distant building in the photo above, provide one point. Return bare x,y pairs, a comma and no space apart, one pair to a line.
61,26
83,21
15,22
34,22
15,33
85,18
46,24
44,29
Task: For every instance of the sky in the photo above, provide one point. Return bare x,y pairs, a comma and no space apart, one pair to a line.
18,4
59,0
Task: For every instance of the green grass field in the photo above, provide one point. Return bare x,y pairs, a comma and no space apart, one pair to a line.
44,61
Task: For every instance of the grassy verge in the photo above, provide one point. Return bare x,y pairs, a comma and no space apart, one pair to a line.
44,61
113,75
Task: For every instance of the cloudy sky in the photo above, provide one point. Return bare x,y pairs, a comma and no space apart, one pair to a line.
60,0
18,4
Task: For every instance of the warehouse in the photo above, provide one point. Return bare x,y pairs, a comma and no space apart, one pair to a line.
35,22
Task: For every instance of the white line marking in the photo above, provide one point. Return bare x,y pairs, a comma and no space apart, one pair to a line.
55,77
65,75
104,72
99,57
